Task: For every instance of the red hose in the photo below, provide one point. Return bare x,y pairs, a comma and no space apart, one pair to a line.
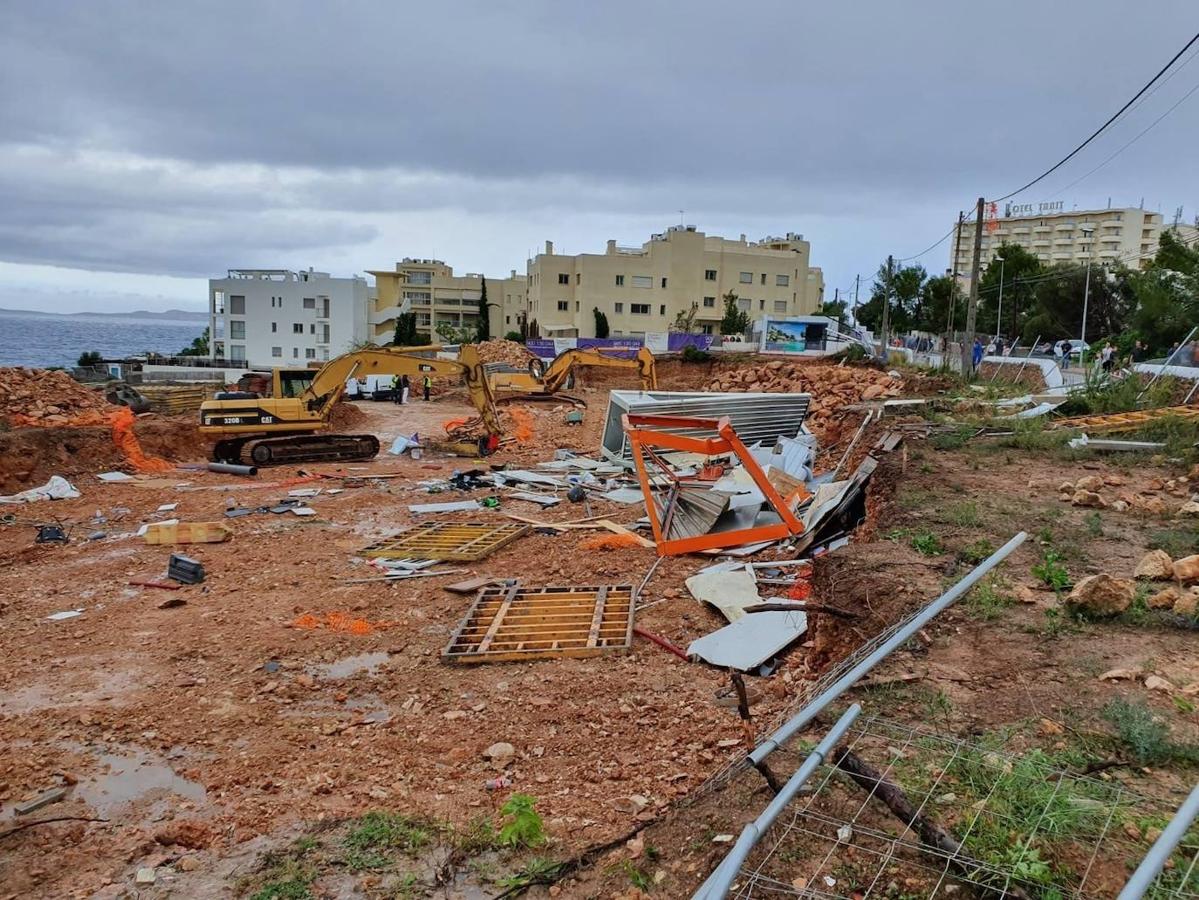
661,642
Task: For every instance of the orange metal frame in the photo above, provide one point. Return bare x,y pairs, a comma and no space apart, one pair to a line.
643,435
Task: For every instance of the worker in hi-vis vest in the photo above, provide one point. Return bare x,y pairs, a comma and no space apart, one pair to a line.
428,384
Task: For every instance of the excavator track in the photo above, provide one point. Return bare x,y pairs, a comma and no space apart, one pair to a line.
279,451
541,398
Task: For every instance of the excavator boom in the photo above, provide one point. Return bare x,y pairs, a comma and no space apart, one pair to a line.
546,380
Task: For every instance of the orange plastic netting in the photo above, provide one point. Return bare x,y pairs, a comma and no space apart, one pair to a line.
524,423
336,621
127,443
610,542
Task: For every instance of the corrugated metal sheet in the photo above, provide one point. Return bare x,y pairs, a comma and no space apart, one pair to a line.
755,417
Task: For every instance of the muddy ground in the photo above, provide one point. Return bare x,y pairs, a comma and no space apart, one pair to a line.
235,753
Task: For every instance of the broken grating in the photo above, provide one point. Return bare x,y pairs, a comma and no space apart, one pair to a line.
446,540
515,623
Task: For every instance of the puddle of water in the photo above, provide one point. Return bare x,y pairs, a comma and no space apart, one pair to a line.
352,665
40,695
131,778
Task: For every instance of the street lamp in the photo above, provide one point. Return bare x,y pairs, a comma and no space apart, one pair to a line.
1087,231
999,314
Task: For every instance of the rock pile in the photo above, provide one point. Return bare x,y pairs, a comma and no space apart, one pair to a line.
501,351
832,387
1105,595
1154,500
39,397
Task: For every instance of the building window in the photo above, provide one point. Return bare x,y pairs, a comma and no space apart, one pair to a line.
310,353
218,302
709,302
709,274
563,278
297,327
237,352
663,281
639,309
620,281
419,278
743,303
312,328
295,352
762,303
763,278
618,307
782,280
705,329
576,306
563,306
310,302
323,338
578,277
780,306
747,278
507,320
274,327
662,310
643,281
277,352
237,330
237,305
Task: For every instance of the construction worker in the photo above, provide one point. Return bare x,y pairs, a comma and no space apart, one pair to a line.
428,384
396,394
405,385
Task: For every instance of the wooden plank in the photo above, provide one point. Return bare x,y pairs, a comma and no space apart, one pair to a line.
497,621
598,618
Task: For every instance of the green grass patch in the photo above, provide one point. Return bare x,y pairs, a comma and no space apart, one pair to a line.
537,870
1178,542
522,825
976,552
1146,737
927,544
989,599
371,844
1051,570
953,440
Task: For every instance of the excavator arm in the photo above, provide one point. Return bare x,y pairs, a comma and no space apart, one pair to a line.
558,371
331,379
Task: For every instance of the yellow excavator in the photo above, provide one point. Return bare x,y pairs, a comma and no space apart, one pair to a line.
285,427
543,381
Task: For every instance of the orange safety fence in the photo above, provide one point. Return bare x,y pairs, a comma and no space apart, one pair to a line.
337,621
127,443
610,542
452,425
524,423
801,590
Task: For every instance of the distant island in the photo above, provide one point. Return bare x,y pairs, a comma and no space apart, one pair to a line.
174,314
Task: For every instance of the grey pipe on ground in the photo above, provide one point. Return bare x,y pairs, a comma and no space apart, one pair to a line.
232,469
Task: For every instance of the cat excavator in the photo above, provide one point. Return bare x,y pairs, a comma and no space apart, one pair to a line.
543,381
287,426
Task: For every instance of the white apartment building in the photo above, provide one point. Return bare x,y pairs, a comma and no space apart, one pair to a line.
642,289
266,318
1105,236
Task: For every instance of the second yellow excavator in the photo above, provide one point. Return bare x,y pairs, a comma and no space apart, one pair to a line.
543,381
286,427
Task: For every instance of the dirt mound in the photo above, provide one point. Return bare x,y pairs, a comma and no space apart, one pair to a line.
29,456
43,397
501,351
831,387
347,417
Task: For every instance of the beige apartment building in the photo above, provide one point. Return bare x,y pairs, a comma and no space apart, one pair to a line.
430,289
1106,236
642,289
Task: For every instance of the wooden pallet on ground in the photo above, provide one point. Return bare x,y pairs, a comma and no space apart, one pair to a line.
1125,421
464,542
513,623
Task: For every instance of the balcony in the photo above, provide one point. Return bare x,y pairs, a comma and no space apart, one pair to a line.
1040,242
1064,226
1063,239
1062,256
1111,223
1042,229
1021,229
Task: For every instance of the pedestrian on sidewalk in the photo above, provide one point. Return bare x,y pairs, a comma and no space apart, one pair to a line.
977,354
1107,357
428,384
1066,348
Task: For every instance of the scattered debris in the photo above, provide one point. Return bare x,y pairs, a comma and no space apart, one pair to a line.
184,569
187,533
445,540
750,640
57,488
45,798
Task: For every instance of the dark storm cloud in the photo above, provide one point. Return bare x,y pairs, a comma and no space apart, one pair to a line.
261,128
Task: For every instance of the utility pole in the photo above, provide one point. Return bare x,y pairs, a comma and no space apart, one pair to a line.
972,304
953,290
886,324
856,280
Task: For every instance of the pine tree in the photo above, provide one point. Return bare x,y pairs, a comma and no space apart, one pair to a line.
735,320
484,326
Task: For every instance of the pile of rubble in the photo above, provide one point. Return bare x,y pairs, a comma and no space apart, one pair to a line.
1092,491
1106,595
831,387
40,397
501,351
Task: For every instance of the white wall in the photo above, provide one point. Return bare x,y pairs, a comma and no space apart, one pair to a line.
275,306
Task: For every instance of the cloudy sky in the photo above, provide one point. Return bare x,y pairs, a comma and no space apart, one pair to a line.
147,146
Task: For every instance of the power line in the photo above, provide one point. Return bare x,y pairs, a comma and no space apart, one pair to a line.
1104,126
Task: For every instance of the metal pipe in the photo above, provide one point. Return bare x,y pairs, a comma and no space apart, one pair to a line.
801,719
1160,852
717,885
1027,358
1162,367
232,469
853,443
1191,392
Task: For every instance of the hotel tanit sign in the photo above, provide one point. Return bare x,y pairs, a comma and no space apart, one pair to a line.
1033,209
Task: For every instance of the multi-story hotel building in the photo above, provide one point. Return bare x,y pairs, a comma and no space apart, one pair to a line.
1106,236
643,289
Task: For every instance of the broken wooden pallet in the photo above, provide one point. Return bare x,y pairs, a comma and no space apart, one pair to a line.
1125,421
447,540
511,623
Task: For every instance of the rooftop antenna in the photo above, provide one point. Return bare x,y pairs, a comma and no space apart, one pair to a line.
681,216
